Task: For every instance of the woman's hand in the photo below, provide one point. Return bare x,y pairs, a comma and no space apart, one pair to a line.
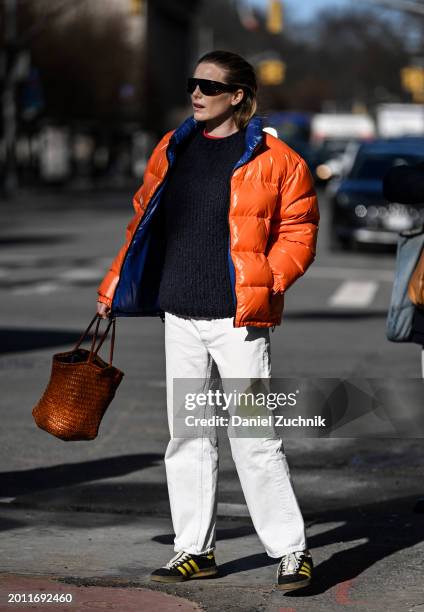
103,310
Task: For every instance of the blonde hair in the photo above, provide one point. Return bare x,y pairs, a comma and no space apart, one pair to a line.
238,72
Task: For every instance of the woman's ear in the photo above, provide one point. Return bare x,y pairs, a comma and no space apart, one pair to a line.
237,97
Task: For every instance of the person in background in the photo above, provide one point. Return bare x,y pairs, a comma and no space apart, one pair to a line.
226,220
405,185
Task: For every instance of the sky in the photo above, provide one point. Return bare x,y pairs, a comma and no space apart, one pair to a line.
304,9
307,8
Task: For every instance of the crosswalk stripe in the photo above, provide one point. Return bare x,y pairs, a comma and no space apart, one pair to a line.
343,273
355,294
36,288
357,290
82,274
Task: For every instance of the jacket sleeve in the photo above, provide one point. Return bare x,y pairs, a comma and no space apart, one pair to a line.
106,289
294,228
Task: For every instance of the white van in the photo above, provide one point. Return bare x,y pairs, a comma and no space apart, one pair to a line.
394,120
341,126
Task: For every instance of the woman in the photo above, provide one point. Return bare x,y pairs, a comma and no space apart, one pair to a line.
226,220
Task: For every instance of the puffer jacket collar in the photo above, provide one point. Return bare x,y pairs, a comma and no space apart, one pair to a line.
254,137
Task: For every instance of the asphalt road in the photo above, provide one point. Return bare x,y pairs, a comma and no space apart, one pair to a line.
358,495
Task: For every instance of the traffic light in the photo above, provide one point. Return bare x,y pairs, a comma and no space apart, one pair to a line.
413,81
274,22
136,7
271,72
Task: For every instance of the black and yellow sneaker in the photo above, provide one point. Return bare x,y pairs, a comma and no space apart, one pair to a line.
294,571
185,566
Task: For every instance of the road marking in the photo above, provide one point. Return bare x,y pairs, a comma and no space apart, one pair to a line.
356,294
36,288
350,273
81,274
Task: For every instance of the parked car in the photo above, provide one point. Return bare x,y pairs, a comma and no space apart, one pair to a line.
339,162
331,135
359,211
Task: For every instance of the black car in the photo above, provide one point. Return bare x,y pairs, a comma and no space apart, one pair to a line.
359,211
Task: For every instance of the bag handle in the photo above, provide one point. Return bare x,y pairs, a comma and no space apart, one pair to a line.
87,330
112,342
103,338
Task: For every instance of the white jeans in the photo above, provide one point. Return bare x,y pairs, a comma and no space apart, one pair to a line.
192,463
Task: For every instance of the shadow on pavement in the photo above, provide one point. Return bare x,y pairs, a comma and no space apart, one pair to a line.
246,563
28,239
14,339
8,523
370,532
385,533
227,533
24,482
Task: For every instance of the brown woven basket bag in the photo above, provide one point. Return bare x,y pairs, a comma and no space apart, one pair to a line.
80,389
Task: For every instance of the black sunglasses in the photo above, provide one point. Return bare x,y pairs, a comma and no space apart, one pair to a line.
209,88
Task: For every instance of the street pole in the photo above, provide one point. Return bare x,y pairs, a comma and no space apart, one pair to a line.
8,99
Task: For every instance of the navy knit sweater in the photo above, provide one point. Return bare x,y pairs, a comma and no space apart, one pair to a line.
195,278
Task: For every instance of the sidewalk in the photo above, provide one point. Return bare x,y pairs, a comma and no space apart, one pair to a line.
82,598
107,558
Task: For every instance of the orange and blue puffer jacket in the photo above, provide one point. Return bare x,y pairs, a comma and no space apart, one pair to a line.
273,223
